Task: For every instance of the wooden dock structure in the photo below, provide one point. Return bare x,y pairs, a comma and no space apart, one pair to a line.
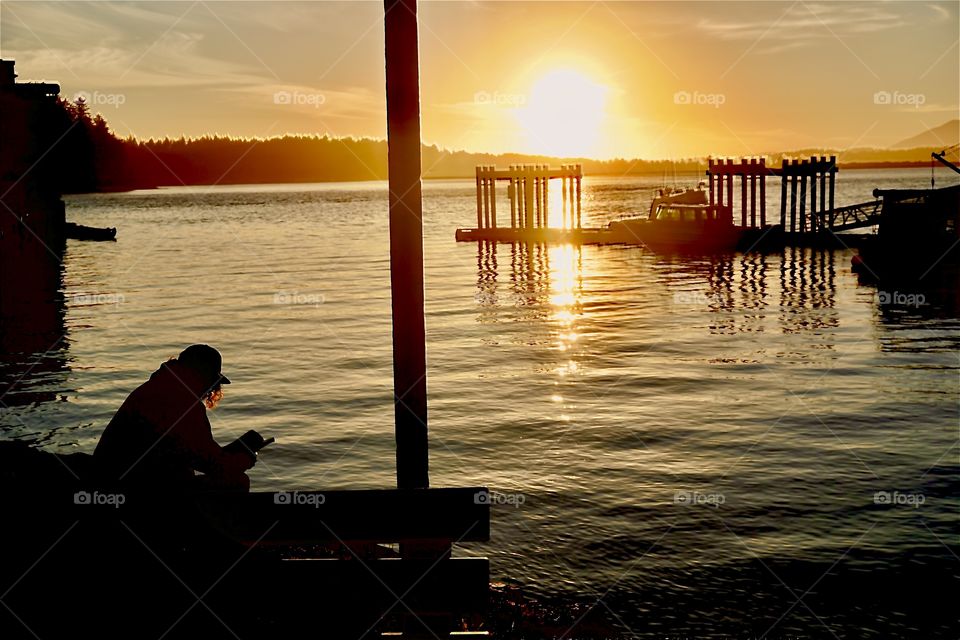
528,191
808,215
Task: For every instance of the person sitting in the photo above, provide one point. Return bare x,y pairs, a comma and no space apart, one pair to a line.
161,439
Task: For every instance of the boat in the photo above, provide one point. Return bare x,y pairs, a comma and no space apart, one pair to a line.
680,220
81,232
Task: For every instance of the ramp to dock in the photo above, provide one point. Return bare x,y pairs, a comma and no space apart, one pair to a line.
854,216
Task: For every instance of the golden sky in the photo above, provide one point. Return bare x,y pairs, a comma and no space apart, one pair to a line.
598,79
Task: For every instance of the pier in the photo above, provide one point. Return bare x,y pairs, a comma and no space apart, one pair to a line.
807,212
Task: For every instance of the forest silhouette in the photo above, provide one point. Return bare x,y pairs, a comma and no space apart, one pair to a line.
90,158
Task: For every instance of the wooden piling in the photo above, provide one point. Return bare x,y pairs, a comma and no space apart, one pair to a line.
479,201
803,197
743,201
783,193
753,192
730,184
406,242
493,202
579,179
793,199
817,172
833,173
763,192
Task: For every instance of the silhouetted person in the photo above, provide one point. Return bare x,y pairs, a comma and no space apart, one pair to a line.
160,438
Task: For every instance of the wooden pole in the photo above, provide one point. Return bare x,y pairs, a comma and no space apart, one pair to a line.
763,192
528,195
563,189
406,242
486,202
712,180
753,192
512,192
793,197
493,202
827,216
814,176
803,198
479,201
579,209
743,196
833,173
729,184
546,197
537,196
783,194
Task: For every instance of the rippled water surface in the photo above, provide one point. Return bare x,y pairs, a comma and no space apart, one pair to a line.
697,443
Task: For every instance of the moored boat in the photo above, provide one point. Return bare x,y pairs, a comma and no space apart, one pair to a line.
680,221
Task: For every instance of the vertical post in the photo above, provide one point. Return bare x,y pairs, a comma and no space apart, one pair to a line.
815,174
827,215
753,192
793,196
486,202
479,201
579,211
546,196
493,199
763,192
729,180
512,192
712,179
743,194
538,198
528,195
563,189
783,194
406,242
833,173
803,196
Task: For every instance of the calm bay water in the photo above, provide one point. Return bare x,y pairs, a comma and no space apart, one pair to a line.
697,443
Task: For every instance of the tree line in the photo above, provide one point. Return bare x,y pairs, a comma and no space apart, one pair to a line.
90,157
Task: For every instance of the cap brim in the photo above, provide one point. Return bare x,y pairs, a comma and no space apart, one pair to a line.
224,379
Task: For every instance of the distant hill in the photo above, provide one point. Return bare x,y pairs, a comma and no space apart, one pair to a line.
940,137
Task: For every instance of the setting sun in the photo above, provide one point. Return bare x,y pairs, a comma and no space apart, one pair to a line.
563,114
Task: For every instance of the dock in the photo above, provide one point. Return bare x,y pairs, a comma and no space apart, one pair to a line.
808,215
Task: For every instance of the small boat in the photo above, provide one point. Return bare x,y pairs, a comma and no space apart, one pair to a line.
681,220
81,232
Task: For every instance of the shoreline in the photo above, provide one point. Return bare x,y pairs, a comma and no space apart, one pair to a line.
637,174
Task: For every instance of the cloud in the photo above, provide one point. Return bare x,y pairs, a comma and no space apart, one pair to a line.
806,23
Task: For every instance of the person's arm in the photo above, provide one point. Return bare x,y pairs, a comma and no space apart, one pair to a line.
206,456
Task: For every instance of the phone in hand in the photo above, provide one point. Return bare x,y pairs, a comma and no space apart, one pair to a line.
251,442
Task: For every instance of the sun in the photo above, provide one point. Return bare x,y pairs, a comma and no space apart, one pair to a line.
563,114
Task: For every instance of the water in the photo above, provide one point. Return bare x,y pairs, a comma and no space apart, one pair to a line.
696,443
